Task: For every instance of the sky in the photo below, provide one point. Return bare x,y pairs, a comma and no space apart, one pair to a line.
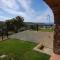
31,10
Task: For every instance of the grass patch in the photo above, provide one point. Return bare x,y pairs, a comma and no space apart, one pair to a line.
20,50
46,30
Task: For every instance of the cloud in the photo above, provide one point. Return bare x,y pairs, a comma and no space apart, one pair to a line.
45,17
14,9
11,4
2,18
25,4
13,12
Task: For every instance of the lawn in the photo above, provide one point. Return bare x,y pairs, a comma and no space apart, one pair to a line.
20,50
46,30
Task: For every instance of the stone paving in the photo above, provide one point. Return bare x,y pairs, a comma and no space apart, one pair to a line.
42,38
45,38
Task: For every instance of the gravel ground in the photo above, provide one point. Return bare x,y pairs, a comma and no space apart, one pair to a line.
33,36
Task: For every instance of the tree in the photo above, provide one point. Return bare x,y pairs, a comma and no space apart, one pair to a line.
15,23
20,21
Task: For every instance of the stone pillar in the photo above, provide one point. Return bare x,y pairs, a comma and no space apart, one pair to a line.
55,6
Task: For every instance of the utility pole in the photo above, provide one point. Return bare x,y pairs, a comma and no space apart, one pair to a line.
49,24
49,19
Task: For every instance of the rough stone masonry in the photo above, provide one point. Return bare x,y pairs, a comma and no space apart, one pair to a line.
55,6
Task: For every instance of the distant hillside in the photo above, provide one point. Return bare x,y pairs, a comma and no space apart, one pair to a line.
32,23
1,22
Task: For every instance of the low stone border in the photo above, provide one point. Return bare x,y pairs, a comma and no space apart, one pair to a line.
43,49
2,57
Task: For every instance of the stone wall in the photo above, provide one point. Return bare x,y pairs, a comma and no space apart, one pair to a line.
55,6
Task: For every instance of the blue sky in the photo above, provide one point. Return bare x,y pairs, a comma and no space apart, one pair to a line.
31,10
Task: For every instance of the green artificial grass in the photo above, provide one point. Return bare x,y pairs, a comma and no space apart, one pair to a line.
20,50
